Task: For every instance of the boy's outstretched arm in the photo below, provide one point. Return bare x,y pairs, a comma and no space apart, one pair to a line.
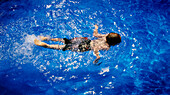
96,34
97,55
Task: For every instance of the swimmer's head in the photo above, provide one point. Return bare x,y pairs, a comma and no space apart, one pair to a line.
113,39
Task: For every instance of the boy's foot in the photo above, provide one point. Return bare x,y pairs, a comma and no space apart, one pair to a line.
44,38
39,43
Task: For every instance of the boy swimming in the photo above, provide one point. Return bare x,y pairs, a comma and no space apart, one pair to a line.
82,44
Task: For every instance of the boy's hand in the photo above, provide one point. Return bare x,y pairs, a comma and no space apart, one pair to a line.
96,27
96,60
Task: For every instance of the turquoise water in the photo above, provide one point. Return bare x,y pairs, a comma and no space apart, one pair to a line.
139,65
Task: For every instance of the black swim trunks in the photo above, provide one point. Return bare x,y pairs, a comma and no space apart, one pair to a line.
81,44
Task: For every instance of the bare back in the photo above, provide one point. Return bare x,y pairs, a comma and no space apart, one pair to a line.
99,44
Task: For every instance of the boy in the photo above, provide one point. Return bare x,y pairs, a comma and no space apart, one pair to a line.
81,44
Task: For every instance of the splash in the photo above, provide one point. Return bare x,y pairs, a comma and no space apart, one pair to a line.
25,49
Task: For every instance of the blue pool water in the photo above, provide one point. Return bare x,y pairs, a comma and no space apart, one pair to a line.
139,65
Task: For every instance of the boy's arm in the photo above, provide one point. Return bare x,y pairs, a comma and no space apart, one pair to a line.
96,52
96,34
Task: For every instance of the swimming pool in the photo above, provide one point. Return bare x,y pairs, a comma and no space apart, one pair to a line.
139,65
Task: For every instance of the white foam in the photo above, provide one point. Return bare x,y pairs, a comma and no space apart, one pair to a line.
30,38
25,48
104,70
90,92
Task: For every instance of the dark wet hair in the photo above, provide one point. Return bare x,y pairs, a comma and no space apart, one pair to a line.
113,39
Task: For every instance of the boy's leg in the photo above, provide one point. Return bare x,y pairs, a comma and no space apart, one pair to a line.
57,39
52,39
39,43
44,38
